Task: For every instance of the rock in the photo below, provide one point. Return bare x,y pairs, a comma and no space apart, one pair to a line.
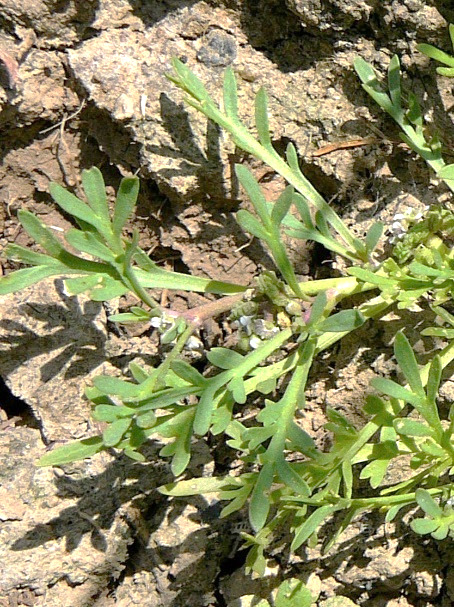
51,343
51,544
338,601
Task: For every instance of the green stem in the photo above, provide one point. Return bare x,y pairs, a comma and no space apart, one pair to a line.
164,368
367,502
248,143
283,263
136,287
367,432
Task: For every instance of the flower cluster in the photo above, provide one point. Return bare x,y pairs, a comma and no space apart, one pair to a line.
403,221
170,327
255,330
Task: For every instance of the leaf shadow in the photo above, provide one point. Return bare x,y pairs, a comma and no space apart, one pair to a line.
125,492
68,329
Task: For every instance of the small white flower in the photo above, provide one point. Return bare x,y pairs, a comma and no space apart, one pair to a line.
264,329
156,322
402,221
162,322
246,323
255,342
194,344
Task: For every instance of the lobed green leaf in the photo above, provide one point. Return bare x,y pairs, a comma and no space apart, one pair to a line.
113,434
427,503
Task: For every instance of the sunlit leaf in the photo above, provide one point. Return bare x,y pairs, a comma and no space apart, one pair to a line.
16,281
72,205
394,81
254,192
346,320
261,117
293,593
113,434
427,503
373,236
95,191
224,358
198,486
310,525
282,206
236,387
188,373
260,504
410,427
252,225
40,233
407,362
424,525
88,243
73,452
391,388
125,202
230,94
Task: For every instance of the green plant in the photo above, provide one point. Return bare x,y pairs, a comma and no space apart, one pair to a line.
290,593
286,478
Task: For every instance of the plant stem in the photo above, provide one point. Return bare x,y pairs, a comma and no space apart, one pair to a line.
198,315
367,502
163,369
136,287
